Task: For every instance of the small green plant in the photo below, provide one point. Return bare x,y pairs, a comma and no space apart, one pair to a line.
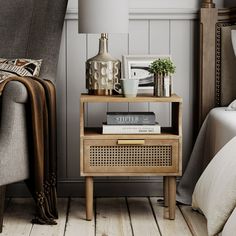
162,66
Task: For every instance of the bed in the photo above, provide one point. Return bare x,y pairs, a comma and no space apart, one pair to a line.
216,90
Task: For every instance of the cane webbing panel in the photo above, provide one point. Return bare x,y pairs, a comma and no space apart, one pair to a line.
130,156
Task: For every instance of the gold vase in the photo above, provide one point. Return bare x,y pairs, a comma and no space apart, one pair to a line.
102,71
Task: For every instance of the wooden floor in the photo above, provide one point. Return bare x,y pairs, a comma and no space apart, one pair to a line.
114,217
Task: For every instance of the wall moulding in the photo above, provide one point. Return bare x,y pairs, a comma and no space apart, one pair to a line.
150,14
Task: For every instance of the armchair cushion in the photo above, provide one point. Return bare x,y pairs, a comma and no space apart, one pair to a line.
20,67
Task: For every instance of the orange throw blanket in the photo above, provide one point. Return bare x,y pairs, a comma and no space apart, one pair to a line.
42,147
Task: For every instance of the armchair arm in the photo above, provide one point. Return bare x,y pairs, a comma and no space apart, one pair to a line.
13,134
15,92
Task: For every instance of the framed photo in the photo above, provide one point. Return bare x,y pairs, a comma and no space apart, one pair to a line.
136,66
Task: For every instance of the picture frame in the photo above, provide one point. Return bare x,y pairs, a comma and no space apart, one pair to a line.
136,66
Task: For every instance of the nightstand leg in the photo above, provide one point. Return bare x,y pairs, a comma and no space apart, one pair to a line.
172,196
165,191
89,197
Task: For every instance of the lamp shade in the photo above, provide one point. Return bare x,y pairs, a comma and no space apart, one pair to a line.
103,16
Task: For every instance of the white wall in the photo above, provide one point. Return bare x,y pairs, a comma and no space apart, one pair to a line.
174,4
151,31
153,3
179,4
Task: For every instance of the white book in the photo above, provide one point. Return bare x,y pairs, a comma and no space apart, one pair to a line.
131,129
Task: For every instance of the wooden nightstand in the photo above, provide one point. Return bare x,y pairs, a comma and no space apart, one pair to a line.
132,155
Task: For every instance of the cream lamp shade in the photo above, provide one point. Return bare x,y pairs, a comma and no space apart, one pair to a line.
104,17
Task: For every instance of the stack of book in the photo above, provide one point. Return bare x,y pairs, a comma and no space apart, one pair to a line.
131,123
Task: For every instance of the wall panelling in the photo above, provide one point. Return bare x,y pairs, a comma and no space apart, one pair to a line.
152,31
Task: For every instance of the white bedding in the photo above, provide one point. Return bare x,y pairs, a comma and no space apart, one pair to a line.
218,129
215,192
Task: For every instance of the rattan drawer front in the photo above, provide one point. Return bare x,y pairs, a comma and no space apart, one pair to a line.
110,157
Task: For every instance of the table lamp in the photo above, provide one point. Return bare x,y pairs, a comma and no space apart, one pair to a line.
104,17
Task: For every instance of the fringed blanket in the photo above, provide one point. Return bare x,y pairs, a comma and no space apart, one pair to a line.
42,148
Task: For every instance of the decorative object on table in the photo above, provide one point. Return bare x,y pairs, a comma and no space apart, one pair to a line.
129,87
131,123
131,118
137,67
103,16
131,129
162,68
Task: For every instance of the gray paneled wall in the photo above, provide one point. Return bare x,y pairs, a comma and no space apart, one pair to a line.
151,32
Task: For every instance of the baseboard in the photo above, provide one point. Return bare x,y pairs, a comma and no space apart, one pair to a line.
106,188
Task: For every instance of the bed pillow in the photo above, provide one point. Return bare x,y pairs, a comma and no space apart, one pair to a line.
215,192
232,106
19,67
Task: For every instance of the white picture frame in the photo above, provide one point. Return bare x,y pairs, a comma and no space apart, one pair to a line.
136,66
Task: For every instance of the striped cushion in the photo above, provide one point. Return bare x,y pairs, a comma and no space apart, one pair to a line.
19,67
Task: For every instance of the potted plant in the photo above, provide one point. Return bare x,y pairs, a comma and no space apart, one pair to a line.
162,69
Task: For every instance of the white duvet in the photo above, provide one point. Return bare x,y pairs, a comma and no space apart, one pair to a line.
217,130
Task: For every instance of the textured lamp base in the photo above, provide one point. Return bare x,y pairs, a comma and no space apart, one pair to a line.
102,71
102,76
100,92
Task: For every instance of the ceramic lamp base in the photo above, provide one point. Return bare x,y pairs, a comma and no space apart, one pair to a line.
102,71
102,76
100,92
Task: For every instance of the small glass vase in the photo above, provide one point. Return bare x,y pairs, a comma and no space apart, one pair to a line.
162,85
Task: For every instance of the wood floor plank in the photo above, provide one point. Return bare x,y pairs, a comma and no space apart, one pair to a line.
112,217
196,222
18,216
53,230
142,218
177,227
77,223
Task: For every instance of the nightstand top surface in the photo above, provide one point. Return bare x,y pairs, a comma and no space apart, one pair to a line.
139,98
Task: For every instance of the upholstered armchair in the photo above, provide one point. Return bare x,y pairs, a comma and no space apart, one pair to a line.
28,29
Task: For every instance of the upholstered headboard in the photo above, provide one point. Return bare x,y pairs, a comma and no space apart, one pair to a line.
217,84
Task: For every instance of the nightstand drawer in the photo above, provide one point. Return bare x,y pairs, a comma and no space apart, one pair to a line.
135,156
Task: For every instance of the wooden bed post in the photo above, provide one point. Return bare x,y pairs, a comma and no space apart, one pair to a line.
208,16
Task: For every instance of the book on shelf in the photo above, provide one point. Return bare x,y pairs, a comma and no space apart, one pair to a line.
131,129
131,118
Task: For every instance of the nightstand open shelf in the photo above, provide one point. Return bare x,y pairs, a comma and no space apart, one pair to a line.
132,154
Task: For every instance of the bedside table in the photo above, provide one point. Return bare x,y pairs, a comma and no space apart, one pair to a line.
132,154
